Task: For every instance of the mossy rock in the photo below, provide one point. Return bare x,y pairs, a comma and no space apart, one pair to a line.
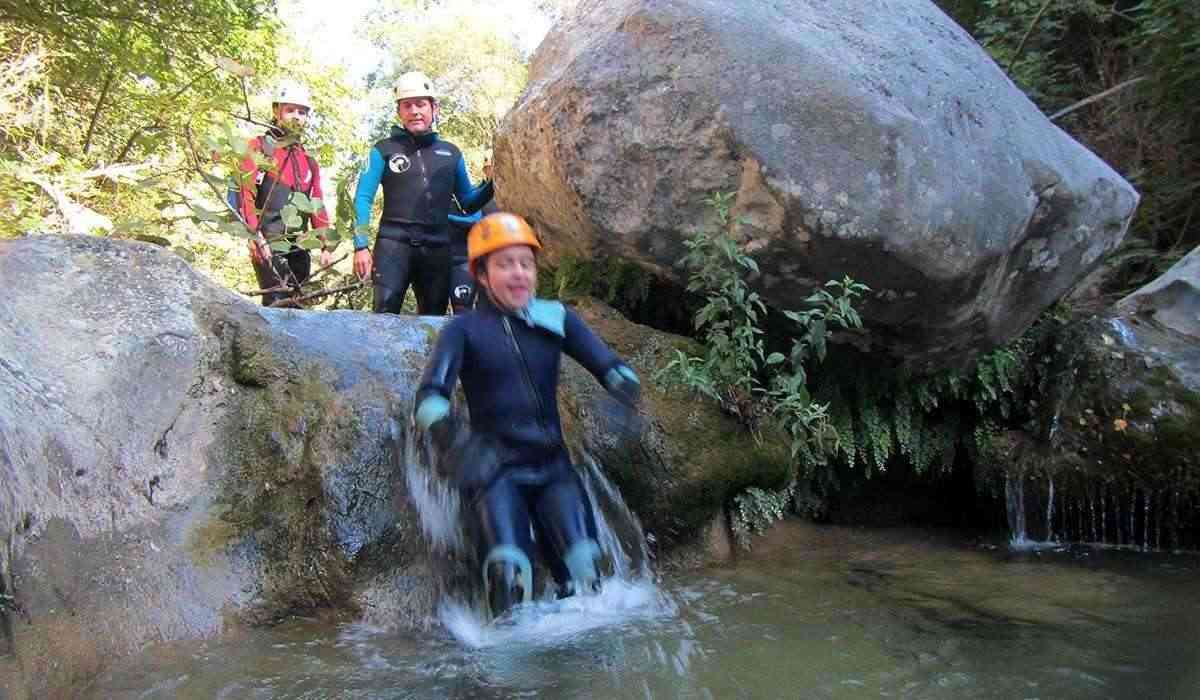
690,459
271,501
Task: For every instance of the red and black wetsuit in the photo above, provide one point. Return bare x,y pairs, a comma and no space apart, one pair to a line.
262,199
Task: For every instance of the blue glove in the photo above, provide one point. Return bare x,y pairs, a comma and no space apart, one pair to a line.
622,382
434,417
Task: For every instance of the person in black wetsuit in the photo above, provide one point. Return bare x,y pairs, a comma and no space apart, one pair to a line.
462,284
419,173
514,469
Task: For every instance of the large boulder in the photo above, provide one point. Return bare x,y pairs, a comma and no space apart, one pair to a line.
859,139
175,460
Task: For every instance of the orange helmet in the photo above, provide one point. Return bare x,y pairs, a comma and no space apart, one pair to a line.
496,231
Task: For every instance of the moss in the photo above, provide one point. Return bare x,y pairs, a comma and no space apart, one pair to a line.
253,361
272,497
611,279
693,459
212,538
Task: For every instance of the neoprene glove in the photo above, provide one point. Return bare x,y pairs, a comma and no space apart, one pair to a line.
622,382
433,416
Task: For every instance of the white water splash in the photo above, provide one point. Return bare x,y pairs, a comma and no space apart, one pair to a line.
437,502
628,594
625,566
554,622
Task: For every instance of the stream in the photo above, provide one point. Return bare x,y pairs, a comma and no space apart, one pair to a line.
812,612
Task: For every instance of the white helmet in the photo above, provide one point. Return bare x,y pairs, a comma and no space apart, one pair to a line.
292,92
413,84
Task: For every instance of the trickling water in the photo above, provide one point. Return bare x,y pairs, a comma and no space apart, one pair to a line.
1145,521
1103,513
1158,525
1132,517
1014,494
1050,513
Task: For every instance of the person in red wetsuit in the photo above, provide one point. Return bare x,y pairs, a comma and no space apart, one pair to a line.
265,193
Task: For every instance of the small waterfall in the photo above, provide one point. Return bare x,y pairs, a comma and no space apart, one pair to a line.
1100,509
1014,495
625,565
1050,513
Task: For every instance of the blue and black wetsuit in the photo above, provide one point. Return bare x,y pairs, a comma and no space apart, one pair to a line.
419,174
462,284
509,367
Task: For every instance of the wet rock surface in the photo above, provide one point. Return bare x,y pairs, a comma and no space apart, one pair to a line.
174,459
1122,448
176,462
858,140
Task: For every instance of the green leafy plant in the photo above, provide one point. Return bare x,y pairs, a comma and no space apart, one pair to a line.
754,510
758,388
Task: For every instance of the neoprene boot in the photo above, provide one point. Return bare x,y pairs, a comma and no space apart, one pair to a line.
580,561
507,578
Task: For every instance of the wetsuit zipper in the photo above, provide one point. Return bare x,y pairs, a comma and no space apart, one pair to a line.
537,400
424,175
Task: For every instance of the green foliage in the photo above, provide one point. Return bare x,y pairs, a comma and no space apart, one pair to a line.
470,54
736,370
615,281
754,510
1027,38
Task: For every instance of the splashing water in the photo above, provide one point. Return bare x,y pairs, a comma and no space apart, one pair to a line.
550,622
437,502
628,594
625,566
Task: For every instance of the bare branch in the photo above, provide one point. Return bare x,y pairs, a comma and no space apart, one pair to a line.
1097,97
91,130
299,301
1032,25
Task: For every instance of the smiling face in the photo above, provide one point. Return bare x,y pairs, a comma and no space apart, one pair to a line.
416,114
510,276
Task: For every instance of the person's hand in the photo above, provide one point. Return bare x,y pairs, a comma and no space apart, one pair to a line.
326,258
260,252
362,264
487,169
434,416
623,383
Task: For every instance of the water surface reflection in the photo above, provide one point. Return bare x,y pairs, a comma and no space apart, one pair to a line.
812,613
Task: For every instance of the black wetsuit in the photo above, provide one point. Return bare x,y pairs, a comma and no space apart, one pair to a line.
462,284
418,174
509,369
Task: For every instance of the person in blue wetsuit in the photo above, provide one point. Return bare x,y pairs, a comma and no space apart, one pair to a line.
419,174
514,470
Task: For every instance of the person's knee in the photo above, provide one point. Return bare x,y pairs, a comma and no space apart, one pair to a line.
388,300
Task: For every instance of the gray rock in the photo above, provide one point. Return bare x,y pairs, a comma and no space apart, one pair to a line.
175,460
1123,397
1172,300
859,139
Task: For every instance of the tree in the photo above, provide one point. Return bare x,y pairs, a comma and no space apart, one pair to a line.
469,49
